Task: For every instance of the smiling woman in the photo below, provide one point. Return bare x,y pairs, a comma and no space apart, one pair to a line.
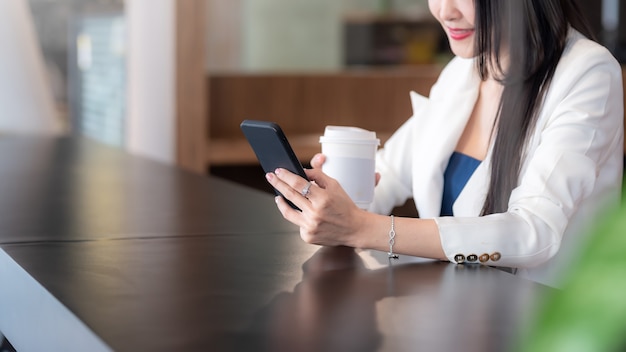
457,19
543,119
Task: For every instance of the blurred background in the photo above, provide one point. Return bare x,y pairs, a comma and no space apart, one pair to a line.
115,69
83,43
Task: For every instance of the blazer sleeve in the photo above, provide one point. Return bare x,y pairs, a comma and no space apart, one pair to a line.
574,154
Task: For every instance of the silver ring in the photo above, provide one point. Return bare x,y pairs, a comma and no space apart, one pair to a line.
306,190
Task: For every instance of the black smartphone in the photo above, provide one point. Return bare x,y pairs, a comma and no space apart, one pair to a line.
272,148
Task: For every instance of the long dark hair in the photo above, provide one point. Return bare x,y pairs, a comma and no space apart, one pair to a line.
533,33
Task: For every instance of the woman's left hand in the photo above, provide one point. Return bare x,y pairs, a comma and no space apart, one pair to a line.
328,217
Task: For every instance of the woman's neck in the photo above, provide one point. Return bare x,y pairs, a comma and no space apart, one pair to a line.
478,132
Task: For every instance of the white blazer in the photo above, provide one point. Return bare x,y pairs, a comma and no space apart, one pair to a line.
571,170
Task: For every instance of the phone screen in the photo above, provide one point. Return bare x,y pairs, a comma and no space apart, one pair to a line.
271,147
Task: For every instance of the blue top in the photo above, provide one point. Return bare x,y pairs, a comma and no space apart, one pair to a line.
460,169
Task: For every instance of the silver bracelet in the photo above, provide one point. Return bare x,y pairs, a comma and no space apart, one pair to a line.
392,236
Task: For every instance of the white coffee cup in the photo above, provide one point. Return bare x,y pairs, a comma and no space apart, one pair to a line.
350,159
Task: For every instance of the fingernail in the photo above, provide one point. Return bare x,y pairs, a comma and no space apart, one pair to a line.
269,176
277,171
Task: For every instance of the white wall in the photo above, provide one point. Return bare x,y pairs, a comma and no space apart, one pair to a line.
224,31
283,35
151,126
26,100
292,35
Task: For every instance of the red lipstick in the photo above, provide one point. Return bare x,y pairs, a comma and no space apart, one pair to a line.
459,33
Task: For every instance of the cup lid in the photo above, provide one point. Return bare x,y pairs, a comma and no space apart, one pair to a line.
348,134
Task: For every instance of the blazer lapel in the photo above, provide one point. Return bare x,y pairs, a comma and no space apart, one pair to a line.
438,136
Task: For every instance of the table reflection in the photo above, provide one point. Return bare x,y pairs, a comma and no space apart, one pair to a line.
344,304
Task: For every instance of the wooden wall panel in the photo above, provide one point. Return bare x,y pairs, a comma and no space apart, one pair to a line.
303,104
191,86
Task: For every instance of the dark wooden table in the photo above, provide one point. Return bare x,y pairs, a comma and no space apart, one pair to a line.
100,250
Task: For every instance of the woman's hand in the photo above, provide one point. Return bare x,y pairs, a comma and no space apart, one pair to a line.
328,217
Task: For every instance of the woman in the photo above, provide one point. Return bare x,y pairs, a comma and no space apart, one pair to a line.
520,141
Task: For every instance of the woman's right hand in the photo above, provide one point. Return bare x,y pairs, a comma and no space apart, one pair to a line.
318,160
